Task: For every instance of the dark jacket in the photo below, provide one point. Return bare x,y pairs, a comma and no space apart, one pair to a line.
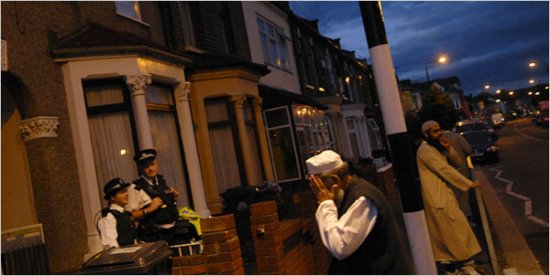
126,232
383,251
167,213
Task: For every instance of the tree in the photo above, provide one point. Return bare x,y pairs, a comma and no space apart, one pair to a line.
438,107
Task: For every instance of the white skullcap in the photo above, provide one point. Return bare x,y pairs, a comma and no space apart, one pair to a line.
324,162
428,125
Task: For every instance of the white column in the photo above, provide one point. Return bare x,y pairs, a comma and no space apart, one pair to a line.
187,131
137,84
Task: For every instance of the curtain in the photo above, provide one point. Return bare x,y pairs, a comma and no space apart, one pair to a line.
166,142
225,158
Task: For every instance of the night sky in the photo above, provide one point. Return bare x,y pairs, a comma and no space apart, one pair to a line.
487,42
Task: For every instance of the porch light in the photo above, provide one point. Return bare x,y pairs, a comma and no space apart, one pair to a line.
321,89
123,151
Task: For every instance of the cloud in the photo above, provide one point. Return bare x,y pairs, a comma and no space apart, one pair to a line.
488,42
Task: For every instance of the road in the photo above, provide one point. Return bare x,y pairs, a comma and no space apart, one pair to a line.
521,181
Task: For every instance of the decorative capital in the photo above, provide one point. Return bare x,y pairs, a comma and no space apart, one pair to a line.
258,103
38,127
138,83
184,95
238,101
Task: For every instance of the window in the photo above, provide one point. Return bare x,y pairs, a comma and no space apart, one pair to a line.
111,132
164,128
223,140
114,138
375,136
273,40
282,146
312,130
129,9
352,130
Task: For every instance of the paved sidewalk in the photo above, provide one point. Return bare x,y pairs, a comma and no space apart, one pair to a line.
513,254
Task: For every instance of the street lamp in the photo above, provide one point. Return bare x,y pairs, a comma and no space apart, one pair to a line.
487,87
442,59
498,91
534,64
531,81
511,93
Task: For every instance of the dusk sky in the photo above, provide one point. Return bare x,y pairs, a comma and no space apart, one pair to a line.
487,42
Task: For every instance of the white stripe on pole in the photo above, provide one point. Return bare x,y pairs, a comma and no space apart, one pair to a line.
386,85
421,248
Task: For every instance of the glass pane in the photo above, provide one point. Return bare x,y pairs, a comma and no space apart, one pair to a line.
350,124
112,146
216,111
166,142
276,117
270,30
261,24
284,158
128,8
104,95
225,158
354,145
263,40
273,52
159,94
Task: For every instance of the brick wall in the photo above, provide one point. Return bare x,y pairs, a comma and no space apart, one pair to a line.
221,250
284,247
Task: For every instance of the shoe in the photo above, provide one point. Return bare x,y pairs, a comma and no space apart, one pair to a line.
469,270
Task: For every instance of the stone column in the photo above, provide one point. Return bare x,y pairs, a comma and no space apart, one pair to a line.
56,190
264,147
137,85
250,169
187,132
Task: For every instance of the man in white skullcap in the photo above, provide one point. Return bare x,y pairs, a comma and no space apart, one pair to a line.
453,242
356,222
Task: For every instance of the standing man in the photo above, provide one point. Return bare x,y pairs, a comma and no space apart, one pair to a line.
356,222
453,241
156,223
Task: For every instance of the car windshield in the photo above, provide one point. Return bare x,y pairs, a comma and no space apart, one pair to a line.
477,136
470,127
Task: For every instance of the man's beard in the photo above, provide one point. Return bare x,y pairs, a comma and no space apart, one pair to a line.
435,143
339,197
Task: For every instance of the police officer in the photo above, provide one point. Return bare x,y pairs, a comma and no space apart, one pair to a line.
116,226
156,223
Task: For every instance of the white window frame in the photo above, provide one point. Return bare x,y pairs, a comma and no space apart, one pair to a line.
280,40
292,134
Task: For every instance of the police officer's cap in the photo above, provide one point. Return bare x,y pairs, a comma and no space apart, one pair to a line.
114,186
146,155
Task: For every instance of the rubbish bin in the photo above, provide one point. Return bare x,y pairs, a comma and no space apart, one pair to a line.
141,258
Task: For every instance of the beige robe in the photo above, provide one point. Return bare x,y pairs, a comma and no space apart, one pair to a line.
451,236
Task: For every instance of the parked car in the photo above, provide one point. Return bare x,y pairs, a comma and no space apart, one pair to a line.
484,149
474,125
497,120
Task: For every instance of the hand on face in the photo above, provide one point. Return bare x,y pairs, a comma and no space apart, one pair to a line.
320,189
445,142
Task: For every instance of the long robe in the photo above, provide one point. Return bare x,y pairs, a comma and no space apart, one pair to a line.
451,236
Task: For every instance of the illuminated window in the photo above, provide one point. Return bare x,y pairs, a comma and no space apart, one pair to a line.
129,9
273,40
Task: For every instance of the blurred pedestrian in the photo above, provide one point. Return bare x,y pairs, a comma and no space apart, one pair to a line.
453,242
116,226
356,222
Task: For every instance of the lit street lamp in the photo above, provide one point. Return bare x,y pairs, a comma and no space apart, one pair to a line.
487,87
511,93
534,64
498,91
441,60
531,81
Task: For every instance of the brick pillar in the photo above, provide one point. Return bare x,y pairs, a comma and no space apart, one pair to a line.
268,244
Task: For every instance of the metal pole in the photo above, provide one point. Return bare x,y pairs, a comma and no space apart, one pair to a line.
399,142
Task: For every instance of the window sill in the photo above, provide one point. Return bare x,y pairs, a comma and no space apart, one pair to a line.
133,19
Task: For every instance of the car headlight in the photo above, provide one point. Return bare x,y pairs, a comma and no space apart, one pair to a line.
492,148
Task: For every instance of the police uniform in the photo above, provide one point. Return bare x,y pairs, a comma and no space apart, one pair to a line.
158,225
116,226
